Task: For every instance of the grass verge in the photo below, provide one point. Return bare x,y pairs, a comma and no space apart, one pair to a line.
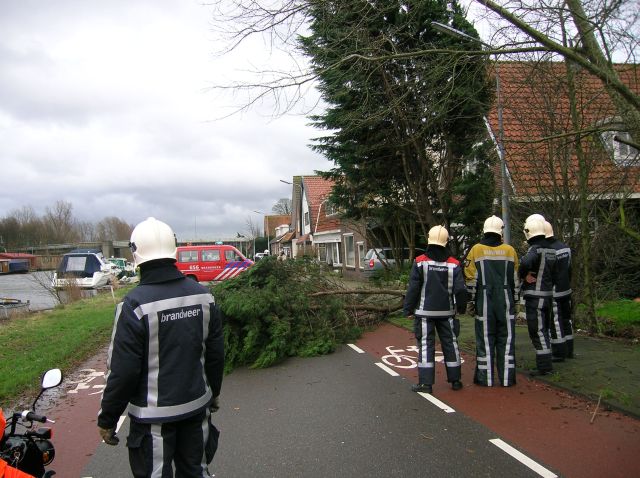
60,338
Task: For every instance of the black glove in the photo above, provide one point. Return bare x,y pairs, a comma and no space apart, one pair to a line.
109,436
215,405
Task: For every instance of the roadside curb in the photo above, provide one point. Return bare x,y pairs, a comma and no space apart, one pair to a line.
605,405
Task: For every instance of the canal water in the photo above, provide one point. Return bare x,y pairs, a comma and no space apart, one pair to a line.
33,286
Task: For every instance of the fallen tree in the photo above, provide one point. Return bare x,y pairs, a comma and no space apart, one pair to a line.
280,309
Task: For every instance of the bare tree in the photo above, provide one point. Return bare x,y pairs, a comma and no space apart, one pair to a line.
283,206
60,224
587,33
253,230
112,228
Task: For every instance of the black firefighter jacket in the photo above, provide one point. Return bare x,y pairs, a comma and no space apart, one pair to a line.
562,269
436,286
540,261
166,357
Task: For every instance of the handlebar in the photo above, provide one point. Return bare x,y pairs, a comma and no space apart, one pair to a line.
33,417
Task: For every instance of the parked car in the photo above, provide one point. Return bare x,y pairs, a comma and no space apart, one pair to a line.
375,259
260,255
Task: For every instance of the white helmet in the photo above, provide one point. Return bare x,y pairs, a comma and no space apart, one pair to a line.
548,229
152,239
438,235
493,224
534,226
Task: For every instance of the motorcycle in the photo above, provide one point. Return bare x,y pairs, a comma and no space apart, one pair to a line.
28,450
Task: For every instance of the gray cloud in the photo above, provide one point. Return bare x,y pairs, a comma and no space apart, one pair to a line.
105,105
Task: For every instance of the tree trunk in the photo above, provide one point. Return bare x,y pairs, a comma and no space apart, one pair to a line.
583,207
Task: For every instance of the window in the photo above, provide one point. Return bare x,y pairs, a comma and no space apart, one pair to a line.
572,227
361,255
211,256
188,256
306,218
331,209
230,256
623,154
349,251
333,253
322,252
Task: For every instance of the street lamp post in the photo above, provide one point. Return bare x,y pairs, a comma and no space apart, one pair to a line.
506,216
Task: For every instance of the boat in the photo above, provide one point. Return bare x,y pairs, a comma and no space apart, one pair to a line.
85,269
15,262
10,307
124,270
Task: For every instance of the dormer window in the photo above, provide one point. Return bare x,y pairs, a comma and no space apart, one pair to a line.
332,209
622,153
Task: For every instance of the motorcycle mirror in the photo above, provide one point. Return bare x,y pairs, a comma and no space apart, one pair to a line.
51,378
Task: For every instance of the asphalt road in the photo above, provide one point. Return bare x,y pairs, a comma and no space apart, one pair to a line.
335,416
348,415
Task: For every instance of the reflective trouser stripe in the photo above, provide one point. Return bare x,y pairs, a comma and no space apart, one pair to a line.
495,333
426,349
538,319
558,346
157,451
562,313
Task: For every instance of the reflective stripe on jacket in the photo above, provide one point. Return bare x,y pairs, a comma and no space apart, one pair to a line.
539,260
166,357
491,266
562,269
435,289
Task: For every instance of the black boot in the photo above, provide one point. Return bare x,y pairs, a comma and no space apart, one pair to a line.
421,387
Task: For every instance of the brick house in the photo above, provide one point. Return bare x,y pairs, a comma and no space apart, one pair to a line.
543,167
319,231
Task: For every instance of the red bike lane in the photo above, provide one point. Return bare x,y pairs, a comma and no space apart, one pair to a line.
549,425
75,412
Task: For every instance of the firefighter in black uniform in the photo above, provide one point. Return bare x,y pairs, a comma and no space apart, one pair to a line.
165,364
536,274
490,271
436,290
561,307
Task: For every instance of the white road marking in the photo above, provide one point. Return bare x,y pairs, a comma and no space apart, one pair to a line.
391,372
443,406
357,349
524,459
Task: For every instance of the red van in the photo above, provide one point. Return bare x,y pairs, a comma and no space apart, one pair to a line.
215,262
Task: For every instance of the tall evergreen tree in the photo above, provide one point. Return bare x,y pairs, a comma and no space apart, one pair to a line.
401,119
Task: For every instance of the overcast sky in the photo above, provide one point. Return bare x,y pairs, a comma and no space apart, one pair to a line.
106,104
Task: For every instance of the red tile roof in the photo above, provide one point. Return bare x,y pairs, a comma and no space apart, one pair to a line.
318,190
536,106
275,220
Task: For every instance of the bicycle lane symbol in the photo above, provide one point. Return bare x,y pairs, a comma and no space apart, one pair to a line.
407,357
87,381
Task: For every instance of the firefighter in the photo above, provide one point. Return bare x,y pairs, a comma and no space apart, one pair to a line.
562,330
436,289
165,363
536,274
490,271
